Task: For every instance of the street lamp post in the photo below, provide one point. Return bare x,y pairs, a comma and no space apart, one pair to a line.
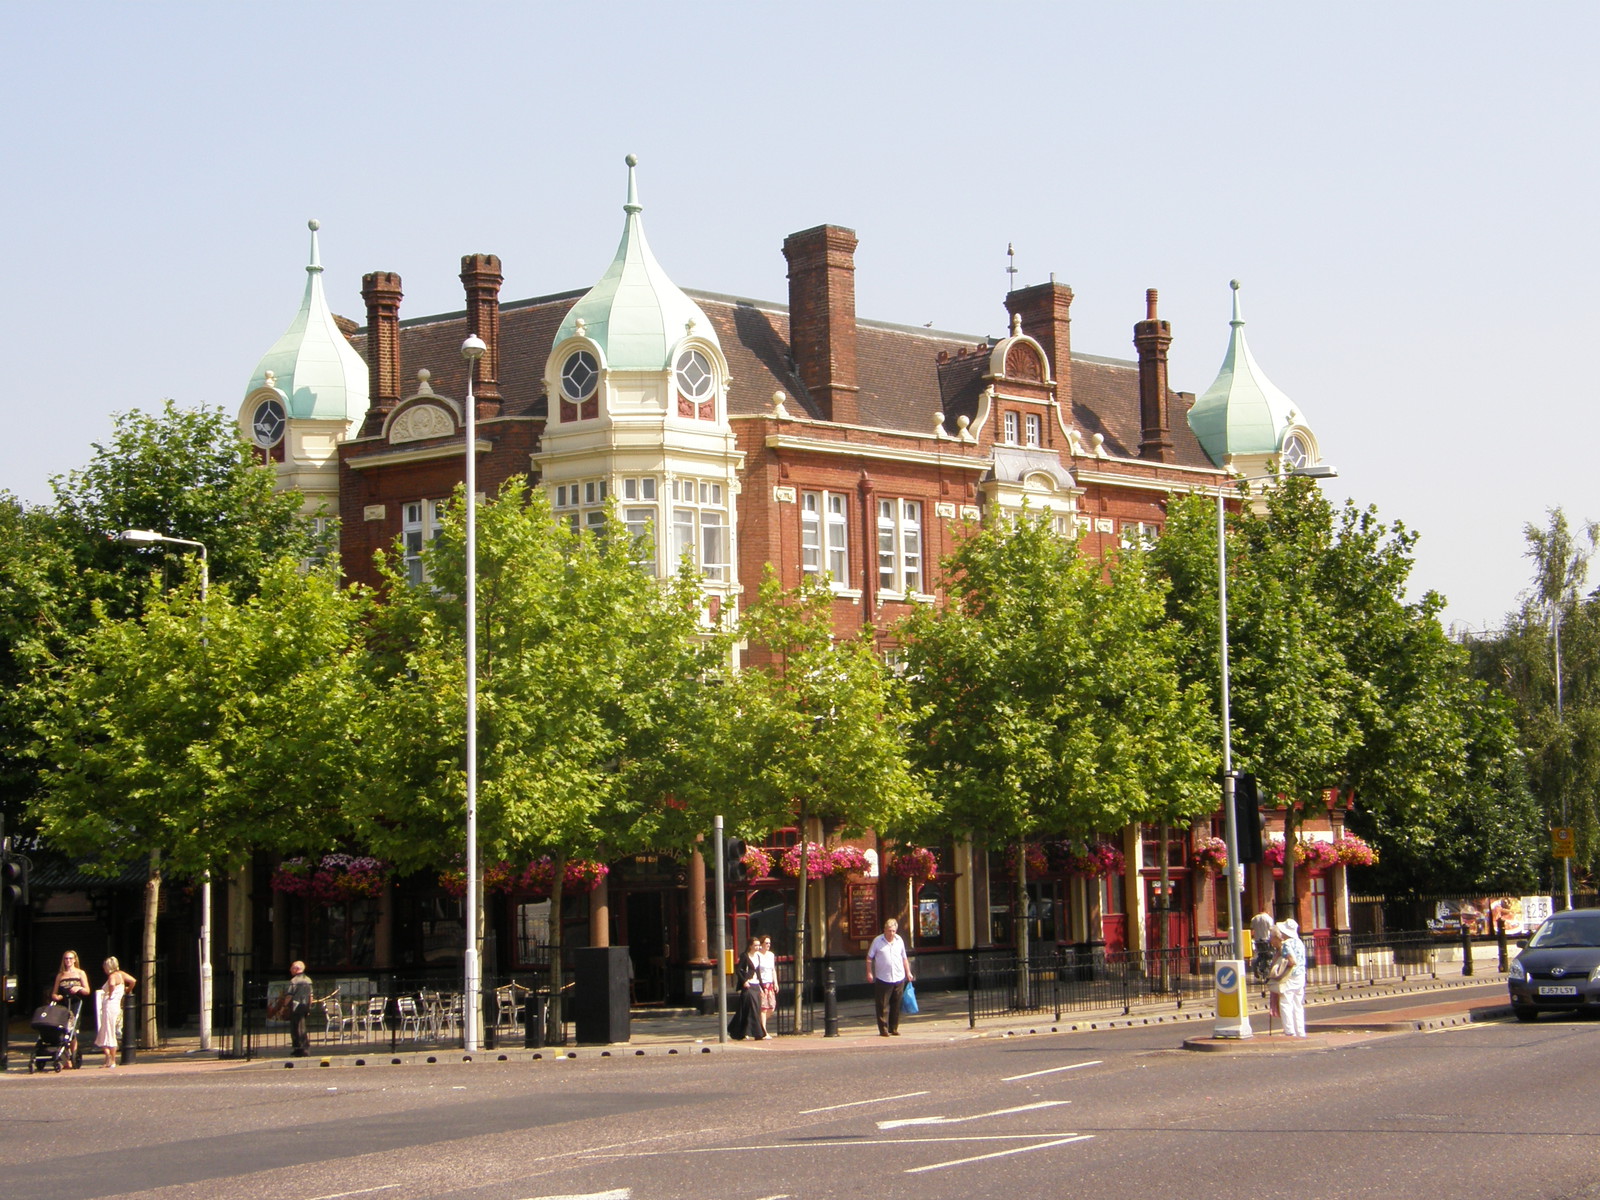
1230,817
472,350
145,537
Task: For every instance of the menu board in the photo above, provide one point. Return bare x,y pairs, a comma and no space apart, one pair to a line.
861,903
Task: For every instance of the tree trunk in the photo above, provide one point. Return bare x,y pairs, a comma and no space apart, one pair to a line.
1024,990
555,1031
239,945
1286,905
800,931
1165,906
149,986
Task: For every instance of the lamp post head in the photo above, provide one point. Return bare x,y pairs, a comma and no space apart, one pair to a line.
1315,471
138,535
473,348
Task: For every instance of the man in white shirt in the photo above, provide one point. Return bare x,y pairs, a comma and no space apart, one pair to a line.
888,971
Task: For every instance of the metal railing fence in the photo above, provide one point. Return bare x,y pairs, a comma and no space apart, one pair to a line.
1065,980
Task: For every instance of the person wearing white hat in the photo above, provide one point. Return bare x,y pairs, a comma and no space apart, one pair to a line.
1289,976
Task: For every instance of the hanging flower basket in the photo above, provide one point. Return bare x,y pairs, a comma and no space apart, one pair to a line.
504,877
1319,855
757,863
819,863
1354,851
1097,860
918,864
1038,862
333,878
848,860
1211,856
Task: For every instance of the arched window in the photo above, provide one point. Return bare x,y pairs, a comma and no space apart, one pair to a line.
580,376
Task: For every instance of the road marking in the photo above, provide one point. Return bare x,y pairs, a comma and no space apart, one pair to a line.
613,1194
956,1162
854,1103
999,1112
1051,1071
847,1143
358,1192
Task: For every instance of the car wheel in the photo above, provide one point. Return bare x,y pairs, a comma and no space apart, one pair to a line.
1525,1013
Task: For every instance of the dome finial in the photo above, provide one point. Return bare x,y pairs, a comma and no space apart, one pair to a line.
315,265
1238,316
633,205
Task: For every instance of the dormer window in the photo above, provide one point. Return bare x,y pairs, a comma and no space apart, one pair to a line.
266,425
580,375
695,386
1296,453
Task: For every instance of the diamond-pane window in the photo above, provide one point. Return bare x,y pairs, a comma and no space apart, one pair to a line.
579,376
694,375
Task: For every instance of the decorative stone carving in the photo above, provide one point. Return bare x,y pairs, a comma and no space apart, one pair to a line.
419,422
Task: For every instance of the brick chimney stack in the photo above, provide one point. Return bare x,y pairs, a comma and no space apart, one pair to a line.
1046,312
1152,336
381,291
822,317
480,275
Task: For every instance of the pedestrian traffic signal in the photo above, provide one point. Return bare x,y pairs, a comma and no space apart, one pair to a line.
13,875
1247,818
733,867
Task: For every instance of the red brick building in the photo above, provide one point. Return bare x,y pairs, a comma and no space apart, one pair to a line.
749,432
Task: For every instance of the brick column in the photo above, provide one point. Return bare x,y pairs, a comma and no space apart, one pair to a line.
480,275
381,291
1046,312
1152,337
822,317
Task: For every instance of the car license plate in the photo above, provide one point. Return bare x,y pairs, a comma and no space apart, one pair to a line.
1558,989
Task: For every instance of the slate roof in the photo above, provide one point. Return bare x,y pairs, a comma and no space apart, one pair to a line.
902,382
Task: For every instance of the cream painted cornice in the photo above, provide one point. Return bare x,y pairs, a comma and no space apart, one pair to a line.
805,445
429,454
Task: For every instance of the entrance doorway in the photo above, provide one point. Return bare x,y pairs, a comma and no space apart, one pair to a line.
647,946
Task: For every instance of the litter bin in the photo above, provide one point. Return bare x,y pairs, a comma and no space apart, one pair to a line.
600,999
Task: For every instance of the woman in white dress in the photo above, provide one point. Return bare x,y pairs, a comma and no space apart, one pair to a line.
108,1009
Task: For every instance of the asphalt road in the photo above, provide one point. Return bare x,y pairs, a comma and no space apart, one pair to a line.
1488,1110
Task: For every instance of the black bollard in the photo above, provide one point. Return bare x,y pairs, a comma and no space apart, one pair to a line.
128,1042
1500,936
1466,948
533,1018
830,1006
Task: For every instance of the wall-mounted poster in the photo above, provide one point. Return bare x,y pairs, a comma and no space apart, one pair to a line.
928,920
861,906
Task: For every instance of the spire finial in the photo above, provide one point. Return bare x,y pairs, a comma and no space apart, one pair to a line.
1238,318
633,205
315,265
1011,268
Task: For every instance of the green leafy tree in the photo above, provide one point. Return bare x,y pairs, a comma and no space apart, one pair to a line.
1046,697
594,678
814,727
200,732
1557,711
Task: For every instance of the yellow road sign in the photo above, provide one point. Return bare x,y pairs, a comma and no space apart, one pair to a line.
1561,843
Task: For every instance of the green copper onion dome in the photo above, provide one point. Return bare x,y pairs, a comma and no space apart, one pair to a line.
1242,412
315,367
635,313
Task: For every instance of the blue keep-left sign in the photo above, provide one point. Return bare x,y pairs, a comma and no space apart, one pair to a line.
1227,978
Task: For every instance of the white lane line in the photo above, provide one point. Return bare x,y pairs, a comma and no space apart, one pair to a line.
806,1112
1051,1071
613,1194
358,1192
779,1196
956,1162
999,1112
848,1144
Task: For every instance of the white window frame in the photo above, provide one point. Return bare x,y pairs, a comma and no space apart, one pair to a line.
1142,533
825,537
902,569
701,524
421,522
1033,429
1009,422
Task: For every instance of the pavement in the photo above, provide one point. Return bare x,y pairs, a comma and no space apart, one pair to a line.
1434,1003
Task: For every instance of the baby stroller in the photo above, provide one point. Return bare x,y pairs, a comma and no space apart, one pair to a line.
57,1027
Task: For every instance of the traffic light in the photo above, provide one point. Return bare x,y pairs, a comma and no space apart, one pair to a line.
1247,818
13,875
733,868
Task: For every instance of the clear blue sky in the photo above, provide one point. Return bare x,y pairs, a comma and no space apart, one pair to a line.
1407,192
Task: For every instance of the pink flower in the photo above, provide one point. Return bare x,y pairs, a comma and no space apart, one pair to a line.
819,863
916,863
